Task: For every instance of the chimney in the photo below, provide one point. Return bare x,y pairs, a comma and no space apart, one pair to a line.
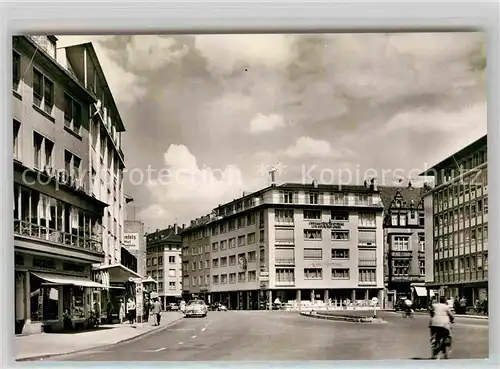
176,228
410,185
315,183
373,184
365,183
183,226
273,177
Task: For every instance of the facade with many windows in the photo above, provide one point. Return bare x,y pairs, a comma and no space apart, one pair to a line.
295,242
164,264
456,212
404,236
57,221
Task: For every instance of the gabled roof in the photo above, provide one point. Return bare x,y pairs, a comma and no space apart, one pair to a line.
407,196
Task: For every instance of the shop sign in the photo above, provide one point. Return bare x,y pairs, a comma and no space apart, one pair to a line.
131,241
329,225
44,263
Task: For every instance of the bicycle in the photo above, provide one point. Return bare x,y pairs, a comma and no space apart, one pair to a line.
443,348
408,313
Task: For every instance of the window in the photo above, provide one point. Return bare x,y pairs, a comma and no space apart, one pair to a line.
367,238
313,273
153,262
207,264
340,235
232,277
251,219
231,225
337,198
421,264
241,240
232,260
421,242
285,275
252,256
171,259
421,219
252,276
160,260
215,247
287,197
171,273
215,263
313,254
200,265
148,262
171,285
223,262
201,280
232,243
160,286
394,220
251,238
43,150
194,280
223,279
367,276
215,279
194,265
402,220
400,267
340,254
340,273
72,165
312,234
16,70
72,114
17,127
340,216
400,243
241,222
223,245
284,216
313,197
366,220
241,277
485,206
312,214
43,92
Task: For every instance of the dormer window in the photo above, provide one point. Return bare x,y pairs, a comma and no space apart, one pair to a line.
398,203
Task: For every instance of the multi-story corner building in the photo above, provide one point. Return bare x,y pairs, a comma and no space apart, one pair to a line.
404,236
106,161
294,242
57,220
134,237
164,264
456,224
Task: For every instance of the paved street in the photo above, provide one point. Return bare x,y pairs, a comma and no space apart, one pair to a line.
260,335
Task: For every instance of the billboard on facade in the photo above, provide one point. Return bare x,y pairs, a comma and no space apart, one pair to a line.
131,241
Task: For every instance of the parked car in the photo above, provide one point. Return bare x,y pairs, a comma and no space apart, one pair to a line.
218,307
173,307
196,308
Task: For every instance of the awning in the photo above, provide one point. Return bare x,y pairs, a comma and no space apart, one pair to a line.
62,280
118,273
422,292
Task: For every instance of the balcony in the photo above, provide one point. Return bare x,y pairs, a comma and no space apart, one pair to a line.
367,283
284,261
285,241
29,230
367,262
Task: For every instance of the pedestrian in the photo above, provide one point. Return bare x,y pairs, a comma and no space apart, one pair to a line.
463,305
157,311
131,310
121,314
147,308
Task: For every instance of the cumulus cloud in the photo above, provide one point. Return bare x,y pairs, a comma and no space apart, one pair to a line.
152,53
224,53
309,147
266,123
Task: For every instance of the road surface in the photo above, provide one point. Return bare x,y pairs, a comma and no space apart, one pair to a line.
264,335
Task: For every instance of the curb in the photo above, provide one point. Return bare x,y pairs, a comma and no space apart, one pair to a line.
142,335
360,319
477,317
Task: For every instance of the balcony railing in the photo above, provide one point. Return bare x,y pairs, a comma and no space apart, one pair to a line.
27,229
284,261
367,262
367,283
285,241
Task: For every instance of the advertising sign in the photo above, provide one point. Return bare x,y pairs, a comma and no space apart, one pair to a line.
330,224
131,240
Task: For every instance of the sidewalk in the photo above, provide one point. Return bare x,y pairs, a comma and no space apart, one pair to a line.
44,345
470,316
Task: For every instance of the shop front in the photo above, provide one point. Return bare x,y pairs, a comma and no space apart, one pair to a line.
52,294
119,289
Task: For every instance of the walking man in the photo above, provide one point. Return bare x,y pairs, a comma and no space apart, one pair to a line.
157,311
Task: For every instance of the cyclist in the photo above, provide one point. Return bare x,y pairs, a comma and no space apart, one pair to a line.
440,324
407,304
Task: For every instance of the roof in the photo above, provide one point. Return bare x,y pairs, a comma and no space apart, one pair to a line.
323,187
166,236
407,195
459,155
90,47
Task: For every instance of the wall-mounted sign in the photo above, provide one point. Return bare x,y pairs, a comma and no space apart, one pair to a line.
264,279
330,224
131,241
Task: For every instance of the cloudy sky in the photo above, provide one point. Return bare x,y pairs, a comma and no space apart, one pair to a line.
209,113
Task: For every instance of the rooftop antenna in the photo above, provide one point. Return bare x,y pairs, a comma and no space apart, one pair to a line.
272,172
